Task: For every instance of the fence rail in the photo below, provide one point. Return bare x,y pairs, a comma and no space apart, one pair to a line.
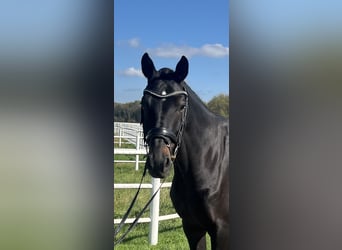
132,132
136,185
129,131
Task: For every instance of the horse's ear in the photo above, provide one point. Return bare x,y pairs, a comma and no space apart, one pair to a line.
147,66
182,68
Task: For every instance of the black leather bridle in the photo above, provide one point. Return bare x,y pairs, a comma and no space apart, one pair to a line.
166,134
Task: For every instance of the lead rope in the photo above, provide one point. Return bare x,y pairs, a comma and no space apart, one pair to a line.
122,222
135,222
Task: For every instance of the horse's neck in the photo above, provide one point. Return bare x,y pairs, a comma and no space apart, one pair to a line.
199,120
199,115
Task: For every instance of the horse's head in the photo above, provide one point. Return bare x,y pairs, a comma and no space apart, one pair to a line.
163,113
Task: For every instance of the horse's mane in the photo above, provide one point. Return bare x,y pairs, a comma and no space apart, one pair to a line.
198,100
168,74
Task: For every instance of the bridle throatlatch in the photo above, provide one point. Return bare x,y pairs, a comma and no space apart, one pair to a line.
167,135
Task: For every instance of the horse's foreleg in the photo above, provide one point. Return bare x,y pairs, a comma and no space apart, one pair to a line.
220,237
195,236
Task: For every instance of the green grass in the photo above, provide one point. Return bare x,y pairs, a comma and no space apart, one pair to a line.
171,235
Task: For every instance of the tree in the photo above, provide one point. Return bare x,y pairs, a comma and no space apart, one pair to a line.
127,112
130,112
219,105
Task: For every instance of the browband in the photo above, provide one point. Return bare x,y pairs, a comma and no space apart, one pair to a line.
180,92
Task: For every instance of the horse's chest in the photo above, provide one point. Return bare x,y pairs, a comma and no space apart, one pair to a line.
189,204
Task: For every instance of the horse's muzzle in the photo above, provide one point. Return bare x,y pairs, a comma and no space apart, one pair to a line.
159,160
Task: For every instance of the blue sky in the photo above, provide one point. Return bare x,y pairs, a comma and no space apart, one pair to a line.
167,30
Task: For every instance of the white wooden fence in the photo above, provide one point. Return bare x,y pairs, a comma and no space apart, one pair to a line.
132,133
129,133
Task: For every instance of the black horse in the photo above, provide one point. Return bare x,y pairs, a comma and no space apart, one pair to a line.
179,129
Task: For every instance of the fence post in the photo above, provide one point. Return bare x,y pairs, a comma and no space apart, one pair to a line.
137,156
154,213
120,135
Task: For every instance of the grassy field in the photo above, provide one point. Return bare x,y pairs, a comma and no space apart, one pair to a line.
171,234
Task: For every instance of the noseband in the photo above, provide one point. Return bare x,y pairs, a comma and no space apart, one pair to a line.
167,135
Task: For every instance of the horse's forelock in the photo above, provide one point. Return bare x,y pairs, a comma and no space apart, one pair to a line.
164,74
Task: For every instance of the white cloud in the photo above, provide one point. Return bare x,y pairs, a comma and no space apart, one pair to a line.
207,50
132,72
134,42
173,51
214,50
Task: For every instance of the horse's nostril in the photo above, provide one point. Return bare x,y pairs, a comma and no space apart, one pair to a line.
167,161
